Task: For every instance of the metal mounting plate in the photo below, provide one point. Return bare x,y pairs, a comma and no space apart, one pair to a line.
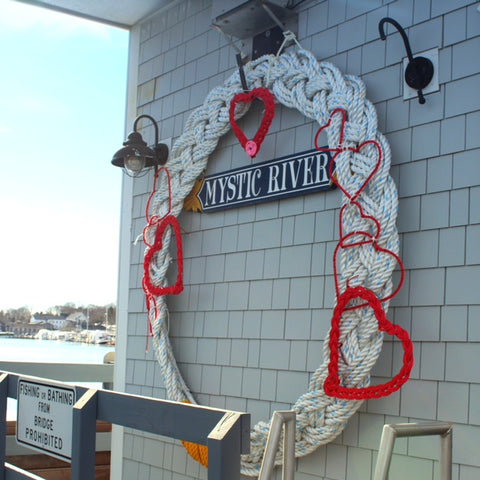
250,18
267,42
433,86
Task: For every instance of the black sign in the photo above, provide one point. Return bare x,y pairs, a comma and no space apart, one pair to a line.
297,174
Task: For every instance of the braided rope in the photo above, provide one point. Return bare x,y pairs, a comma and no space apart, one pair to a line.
315,89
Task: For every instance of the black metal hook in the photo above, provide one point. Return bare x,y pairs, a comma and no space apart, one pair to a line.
419,71
243,79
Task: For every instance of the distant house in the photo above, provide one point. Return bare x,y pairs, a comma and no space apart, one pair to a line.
57,321
78,318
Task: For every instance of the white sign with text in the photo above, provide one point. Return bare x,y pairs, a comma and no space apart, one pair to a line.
45,417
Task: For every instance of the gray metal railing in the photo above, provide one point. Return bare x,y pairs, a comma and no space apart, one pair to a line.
391,432
226,433
282,420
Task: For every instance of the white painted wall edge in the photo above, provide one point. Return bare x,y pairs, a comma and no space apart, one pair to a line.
119,376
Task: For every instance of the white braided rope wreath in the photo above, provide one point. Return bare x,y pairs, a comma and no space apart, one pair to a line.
315,89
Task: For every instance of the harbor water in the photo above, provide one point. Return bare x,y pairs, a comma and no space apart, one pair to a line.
49,351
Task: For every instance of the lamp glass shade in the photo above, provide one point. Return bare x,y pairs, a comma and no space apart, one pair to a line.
135,155
134,162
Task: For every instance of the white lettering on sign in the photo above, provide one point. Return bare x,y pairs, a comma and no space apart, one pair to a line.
45,417
296,174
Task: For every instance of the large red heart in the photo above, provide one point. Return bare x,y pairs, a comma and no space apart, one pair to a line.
253,146
332,385
175,289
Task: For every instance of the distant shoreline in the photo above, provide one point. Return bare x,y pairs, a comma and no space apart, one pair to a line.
96,337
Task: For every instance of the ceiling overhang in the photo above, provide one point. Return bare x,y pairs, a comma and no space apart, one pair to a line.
119,13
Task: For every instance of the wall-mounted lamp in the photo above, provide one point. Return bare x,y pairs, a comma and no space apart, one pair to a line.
136,155
419,71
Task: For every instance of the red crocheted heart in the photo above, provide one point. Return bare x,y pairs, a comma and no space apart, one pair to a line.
253,146
332,385
175,289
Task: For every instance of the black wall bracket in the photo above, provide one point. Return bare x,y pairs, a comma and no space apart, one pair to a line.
419,71
259,23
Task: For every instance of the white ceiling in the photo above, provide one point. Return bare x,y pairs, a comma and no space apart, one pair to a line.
121,13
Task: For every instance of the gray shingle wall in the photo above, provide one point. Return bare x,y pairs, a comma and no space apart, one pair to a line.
248,329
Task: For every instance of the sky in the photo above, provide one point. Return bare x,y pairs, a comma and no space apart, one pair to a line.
62,117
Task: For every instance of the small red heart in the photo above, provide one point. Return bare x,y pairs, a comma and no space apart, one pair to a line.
340,148
354,195
342,131
154,218
367,239
251,147
331,385
171,221
374,221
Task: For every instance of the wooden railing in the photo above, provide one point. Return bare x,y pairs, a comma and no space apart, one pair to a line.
226,433
50,468
43,465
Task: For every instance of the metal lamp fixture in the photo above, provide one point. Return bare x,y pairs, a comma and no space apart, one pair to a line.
136,155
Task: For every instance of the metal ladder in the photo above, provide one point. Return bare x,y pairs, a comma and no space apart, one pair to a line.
286,420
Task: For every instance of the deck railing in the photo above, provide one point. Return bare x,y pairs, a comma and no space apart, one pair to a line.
281,421
397,430
226,433
63,372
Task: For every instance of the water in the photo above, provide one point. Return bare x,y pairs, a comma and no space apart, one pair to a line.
49,351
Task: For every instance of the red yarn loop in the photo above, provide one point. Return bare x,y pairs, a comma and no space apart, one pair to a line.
177,288
332,385
161,224
360,239
154,218
252,147
368,239
341,148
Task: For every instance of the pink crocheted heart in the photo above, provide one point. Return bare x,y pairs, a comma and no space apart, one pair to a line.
253,146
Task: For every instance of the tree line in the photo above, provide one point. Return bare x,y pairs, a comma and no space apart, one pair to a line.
95,313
